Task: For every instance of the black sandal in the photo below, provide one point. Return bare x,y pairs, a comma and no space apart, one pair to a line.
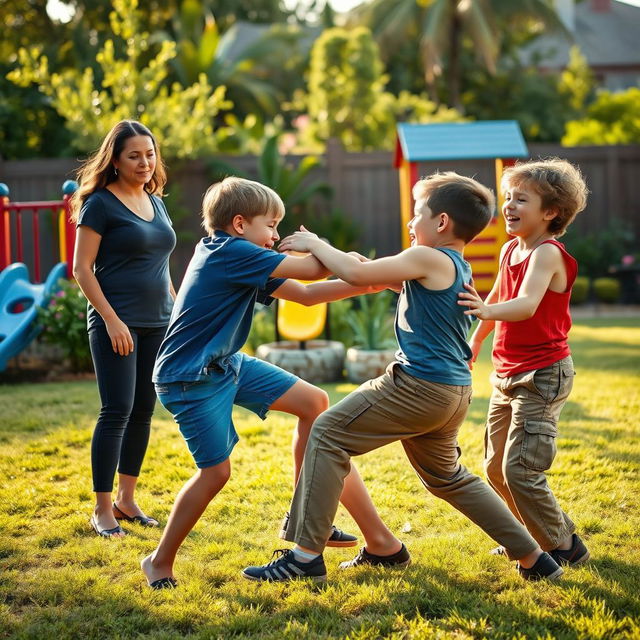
145,521
164,583
106,533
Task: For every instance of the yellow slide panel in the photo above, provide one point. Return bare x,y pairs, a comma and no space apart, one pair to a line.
300,323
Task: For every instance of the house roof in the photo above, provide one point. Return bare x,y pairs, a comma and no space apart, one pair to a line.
460,141
605,38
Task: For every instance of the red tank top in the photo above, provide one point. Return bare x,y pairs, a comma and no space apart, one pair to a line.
542,339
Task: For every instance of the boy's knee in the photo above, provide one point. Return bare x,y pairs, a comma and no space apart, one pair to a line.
514,478
217,476
317,402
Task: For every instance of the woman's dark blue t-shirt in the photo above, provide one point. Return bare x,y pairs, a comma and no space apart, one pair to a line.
132,265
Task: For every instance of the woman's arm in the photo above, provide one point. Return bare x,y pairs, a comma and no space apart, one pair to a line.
84,257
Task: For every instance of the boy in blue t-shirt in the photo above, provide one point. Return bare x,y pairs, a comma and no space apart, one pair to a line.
200,373
421,400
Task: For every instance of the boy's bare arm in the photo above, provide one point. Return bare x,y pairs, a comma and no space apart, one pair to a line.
317,292
302,268
483,328
411,264
545,262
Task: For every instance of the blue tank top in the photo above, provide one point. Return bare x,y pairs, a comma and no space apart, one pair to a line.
432,329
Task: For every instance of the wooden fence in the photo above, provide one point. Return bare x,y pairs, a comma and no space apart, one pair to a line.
366,187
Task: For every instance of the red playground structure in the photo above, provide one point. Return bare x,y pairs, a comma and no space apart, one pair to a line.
21,227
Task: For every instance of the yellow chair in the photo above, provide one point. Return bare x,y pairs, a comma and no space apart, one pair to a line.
297,322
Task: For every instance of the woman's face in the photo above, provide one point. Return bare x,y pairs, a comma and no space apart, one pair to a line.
136,163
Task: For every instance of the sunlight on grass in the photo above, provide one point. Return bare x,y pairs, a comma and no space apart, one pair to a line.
59,580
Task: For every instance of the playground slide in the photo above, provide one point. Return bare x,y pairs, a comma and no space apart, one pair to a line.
300,323
19,301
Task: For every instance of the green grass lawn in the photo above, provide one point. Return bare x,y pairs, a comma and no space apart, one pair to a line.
59,580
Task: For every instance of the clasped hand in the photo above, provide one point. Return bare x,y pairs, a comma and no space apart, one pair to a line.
471,298
300,241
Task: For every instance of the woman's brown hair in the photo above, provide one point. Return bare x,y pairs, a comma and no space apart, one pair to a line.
98,170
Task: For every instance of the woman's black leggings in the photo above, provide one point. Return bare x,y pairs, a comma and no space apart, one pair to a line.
128,398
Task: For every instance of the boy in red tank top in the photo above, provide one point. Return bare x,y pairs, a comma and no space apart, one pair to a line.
528,307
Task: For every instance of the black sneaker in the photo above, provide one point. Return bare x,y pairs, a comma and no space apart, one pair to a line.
577,554
544,568
285,567
399,559
338,538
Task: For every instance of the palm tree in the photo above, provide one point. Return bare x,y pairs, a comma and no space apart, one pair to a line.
242,59
441,25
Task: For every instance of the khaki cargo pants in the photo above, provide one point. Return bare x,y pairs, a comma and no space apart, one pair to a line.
425,417
520,445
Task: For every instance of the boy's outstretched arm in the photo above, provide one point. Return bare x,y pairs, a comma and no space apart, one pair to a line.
411,264
317,292
301,267
546,261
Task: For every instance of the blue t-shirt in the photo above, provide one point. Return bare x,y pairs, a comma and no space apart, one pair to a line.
213,311
132,265
432,329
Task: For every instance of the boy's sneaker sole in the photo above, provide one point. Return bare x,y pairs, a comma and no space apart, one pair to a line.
545,568
364,558
285,568
577,554
338,538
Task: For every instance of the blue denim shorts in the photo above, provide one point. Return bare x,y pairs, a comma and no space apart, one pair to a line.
203,409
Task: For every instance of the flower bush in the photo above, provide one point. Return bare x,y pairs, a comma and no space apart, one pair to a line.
64,324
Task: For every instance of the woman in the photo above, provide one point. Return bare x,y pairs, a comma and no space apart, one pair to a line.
123,241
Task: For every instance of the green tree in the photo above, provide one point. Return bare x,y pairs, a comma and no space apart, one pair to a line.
614,118
247,70
577,83
182,118
542,103
346,96
439,29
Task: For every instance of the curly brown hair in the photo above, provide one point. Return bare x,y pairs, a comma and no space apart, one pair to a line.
560,185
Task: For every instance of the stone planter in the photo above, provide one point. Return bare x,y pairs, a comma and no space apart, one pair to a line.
362,364
321,361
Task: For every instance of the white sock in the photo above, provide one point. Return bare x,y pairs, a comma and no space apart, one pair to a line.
303,556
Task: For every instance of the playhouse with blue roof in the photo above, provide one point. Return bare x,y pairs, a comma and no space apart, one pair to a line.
500,140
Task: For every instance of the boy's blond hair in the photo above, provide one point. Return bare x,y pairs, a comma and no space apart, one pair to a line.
559,184
467,202
237,196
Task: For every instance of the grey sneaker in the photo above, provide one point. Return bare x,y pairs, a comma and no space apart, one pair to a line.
577,554
398,559
544,568
338,538
285,567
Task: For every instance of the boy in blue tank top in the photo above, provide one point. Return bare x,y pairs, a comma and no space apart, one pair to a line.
421,400
200,373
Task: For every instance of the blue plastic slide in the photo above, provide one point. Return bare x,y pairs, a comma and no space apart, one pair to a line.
19,302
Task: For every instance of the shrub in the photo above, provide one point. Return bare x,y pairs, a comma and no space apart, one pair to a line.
372,323
64,323
597,251
606,289
580,290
